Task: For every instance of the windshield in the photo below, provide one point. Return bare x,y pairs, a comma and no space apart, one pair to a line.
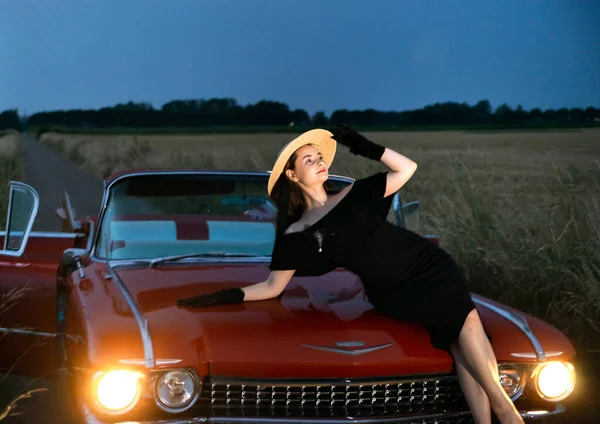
161,215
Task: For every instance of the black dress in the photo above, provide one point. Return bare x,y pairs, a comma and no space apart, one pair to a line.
404,275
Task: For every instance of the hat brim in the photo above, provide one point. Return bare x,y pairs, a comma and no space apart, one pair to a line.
319,137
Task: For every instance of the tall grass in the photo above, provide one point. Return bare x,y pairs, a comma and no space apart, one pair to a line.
8,300
541,257
11,168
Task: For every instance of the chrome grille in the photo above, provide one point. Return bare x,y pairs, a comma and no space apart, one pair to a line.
349,399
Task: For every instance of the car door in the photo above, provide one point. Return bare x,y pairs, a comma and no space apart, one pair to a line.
28,265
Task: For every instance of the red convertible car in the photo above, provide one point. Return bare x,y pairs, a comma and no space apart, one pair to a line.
96,307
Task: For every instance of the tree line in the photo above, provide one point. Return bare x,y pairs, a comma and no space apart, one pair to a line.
226,112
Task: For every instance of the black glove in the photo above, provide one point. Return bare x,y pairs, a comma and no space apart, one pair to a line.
357,143
224,296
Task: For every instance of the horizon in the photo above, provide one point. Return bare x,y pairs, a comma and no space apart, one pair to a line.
310,113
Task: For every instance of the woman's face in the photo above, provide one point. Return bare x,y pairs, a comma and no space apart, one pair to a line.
309,167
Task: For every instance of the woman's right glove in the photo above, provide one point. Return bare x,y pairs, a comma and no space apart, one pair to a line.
357,143
224,296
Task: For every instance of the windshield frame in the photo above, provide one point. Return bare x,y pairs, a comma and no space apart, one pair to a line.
108,191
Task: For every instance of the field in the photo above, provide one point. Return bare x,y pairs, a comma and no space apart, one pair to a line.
519,210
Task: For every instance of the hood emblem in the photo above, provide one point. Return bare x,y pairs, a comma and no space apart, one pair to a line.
345,348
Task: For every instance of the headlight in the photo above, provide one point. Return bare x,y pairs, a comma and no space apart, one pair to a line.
176,390
117,391
554,380
511,379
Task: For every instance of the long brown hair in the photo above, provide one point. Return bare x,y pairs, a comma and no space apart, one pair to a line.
289,199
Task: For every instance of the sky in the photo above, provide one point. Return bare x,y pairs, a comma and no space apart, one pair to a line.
318,55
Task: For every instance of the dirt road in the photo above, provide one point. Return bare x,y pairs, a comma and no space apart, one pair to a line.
50,174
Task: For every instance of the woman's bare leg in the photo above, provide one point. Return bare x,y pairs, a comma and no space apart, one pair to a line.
476,397
475,349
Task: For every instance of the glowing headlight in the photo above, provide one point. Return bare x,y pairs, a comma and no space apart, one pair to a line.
555,380
118,391
175,390
511,379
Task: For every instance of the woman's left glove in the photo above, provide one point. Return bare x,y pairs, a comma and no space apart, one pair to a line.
357,143
224,296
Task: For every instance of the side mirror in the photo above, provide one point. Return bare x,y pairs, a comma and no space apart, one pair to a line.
74,259
23,205
412,217
398,212
407,216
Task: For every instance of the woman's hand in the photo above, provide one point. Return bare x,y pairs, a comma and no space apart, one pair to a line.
357,143
401,168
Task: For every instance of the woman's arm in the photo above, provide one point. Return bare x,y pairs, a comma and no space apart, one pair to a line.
271,287
401,170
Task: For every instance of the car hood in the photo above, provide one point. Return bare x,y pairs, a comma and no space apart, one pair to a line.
319,326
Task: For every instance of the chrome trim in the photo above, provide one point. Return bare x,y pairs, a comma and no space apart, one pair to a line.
117,263
311,382
529,355
51,234
90,239
36,333
390,420
520,322
542,414
353,352
80,269
101,212
107,188
34,211
157,361
382,420
349,344
149,359
90,419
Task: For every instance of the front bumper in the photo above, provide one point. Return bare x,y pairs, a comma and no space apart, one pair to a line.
537,416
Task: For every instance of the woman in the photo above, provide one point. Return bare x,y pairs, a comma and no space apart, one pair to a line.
404,275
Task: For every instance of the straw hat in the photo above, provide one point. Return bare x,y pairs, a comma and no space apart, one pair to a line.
319,137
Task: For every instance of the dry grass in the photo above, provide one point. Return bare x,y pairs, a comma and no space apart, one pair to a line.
520,211
10,168
7,301
9,143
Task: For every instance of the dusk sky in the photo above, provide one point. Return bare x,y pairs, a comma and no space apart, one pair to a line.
315,55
